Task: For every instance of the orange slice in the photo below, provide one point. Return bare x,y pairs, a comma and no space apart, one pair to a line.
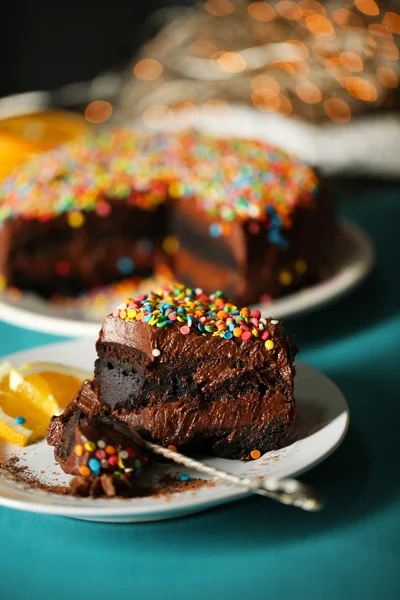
29,398
26,135
12,432
15,405
63,381
34,392
32,389
64,387
44,130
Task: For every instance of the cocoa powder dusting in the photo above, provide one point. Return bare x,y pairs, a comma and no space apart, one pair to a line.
164,486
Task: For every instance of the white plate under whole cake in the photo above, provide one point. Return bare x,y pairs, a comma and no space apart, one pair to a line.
353,259
322,422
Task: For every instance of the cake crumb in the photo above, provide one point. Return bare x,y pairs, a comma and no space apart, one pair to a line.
165,486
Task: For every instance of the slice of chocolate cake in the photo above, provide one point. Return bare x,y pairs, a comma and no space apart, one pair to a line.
188,369
103,455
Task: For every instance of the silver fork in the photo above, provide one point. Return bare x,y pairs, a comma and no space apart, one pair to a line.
286,491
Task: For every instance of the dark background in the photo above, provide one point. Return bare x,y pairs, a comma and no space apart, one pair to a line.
47,45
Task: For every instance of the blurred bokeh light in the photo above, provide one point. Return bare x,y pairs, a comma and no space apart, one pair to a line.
98,111
314,60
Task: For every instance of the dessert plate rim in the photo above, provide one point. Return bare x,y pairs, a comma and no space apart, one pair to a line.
37,314
322,427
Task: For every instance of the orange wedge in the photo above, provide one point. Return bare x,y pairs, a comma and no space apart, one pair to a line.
31,395
26,135
63,381
15,405
44,130
29,398
64,387
11,431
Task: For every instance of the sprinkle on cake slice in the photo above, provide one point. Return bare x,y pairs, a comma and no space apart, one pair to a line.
103,455
188,369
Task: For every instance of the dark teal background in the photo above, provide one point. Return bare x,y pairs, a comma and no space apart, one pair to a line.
255,548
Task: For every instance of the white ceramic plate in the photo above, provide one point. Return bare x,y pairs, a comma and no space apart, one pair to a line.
322,422
354,258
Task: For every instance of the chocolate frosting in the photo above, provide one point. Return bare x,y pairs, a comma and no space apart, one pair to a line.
217,359
104,455
107,440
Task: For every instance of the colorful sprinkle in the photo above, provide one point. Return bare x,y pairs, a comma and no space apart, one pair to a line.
125,265
20,420
94,465
90,446
255,454
231,179
84,471
190,310
266,299
110,450
113,460
76,219
100,454
63,268
172,448
215,230
103,209
285,277
269,344
170,245
184,477
79,449
101,444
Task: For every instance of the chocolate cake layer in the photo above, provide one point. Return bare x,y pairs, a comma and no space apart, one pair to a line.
246,263
226,429
53,257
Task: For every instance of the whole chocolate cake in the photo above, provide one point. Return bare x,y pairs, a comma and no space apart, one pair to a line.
237,214
194,371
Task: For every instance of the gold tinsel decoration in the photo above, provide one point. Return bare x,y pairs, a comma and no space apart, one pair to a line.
313,60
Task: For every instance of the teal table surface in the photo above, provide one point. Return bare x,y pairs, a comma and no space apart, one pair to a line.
256,548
